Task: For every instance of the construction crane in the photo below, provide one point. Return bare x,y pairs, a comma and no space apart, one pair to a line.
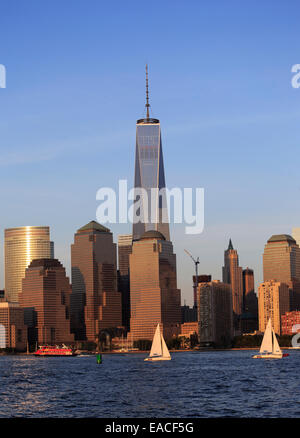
197,262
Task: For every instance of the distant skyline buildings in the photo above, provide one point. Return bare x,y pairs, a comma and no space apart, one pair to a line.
21,246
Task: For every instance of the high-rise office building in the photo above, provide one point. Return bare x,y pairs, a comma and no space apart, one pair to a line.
21,246
281,263
200,279
154,297
215,317
95,300
296,235
233,275
45,298
273,302
151,212
124,249
250,304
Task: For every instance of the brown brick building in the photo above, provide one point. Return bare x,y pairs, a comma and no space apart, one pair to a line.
154,297
290,323
95,301
45,298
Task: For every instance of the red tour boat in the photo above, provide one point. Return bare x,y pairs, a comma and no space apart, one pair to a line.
47,350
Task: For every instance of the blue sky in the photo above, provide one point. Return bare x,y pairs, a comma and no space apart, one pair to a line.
220,83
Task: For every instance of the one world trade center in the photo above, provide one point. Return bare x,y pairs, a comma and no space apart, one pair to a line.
151,212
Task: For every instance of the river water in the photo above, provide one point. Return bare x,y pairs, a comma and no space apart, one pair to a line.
192,384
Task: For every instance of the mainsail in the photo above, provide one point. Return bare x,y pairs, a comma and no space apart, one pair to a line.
156,348
267,344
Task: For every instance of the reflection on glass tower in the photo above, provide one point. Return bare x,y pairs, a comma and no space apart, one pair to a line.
151,210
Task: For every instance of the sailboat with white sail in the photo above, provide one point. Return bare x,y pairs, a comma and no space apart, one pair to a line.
159,349
269,348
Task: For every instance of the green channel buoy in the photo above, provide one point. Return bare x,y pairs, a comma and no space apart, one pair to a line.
99,358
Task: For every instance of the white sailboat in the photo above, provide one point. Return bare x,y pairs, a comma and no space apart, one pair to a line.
159,349
269,348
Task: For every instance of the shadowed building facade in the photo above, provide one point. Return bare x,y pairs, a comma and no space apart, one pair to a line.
233,275
249,320
273,302
21,246
95,301
215,317
124,250
281,263
149,174
13,332
45,298
154,296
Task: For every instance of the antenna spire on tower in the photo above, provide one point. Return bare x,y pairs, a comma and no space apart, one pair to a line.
147,93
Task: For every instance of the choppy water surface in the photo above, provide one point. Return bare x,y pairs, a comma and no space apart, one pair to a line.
204,384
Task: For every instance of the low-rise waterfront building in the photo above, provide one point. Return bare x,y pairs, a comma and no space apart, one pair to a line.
13,332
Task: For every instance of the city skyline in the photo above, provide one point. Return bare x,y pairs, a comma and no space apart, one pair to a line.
231,148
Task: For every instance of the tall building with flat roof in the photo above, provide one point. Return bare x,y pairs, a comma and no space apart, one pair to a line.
95,300
233,275
281,263
151,211
249,321
21,246
124,250
45,298
296,235
273,302
215,317
154,297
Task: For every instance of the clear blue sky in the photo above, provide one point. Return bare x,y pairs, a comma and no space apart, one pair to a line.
220,82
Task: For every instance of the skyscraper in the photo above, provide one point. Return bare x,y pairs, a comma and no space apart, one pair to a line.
45,298
296,235
95,301
151,207
215,317
21,246
233,275
124,249
154,297
281,262
273,302
250,304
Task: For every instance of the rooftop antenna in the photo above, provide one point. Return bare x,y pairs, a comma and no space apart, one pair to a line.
197,262
147,93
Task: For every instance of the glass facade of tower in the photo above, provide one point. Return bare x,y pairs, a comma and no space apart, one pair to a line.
152,211
22,245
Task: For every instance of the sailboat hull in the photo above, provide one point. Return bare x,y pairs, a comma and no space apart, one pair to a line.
270,356
153,359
